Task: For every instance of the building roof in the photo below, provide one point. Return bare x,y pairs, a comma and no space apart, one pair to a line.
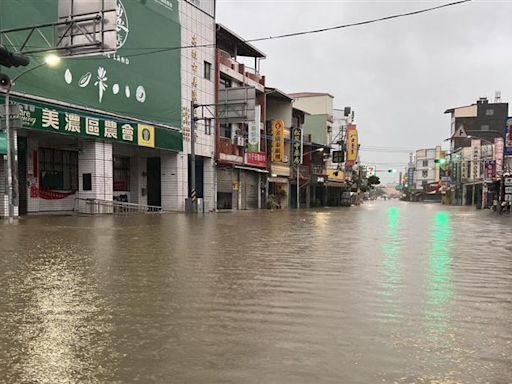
275,92
451,110
230,42
309,94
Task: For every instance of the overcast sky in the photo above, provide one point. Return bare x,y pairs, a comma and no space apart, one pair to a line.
399,76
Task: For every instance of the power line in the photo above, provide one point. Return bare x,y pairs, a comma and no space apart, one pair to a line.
360,22
301,33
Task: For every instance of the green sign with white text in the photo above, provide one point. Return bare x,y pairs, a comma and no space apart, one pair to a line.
3,144
133,82
70,122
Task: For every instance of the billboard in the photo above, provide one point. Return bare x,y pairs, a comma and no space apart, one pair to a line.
135,81
508,137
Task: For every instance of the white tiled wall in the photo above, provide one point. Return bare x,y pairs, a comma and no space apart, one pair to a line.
197,23
95,157
174,181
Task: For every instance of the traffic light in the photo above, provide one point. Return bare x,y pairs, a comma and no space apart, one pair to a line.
440,161
12,59
391,170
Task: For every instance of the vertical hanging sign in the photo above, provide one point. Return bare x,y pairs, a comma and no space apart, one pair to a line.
254,132
352,144
278,141
297,146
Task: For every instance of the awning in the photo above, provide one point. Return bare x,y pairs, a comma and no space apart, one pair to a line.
251,169
335,184
3,144
281,180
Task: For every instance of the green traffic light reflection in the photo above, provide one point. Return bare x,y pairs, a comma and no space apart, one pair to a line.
440,276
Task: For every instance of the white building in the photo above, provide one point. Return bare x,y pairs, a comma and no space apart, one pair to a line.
426,172
117,126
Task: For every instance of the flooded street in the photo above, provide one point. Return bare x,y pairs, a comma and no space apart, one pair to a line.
383,293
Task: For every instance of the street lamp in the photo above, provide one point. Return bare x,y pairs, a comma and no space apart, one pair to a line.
50,60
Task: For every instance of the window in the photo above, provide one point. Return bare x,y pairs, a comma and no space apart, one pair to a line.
121,174
207,70
208,127
58,170
425,163
225,130
87,182
424,174
489,112
225,83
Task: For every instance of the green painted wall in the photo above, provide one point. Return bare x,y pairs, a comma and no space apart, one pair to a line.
316,126
132,84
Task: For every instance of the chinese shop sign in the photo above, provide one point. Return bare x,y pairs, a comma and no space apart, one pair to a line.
43,117
278,141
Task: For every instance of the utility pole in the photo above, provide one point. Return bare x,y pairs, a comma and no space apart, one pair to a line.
193,194
9,155
298,186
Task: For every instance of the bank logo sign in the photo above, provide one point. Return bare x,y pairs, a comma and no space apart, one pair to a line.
146,136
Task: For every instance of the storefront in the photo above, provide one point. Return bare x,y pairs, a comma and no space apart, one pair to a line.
279,184
66,155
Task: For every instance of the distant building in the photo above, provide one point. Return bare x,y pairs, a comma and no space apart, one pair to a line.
482,120
425,169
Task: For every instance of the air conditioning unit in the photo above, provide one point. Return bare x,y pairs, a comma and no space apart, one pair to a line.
285,159
240,141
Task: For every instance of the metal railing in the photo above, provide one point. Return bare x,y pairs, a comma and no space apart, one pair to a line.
108,207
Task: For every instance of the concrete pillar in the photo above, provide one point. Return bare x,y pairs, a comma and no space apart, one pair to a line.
138,180
95,158
209,184
174,168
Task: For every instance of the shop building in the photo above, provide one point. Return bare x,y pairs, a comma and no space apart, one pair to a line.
241,148
109,127
279,127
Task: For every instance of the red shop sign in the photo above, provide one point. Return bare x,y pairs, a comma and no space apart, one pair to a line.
256,159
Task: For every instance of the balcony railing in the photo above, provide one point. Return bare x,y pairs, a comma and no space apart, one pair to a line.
227,147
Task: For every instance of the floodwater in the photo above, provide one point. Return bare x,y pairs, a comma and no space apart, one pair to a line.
389,292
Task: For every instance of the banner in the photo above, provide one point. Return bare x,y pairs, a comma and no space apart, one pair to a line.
278,141
352,144
254,139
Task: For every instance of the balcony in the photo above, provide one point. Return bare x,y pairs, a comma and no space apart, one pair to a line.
229,152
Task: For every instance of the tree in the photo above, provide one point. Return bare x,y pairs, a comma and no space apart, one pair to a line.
373,180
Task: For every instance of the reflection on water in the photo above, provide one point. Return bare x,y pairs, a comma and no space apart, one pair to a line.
391,250
440,285
386,292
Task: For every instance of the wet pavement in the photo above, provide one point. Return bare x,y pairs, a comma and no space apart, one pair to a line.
389,292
